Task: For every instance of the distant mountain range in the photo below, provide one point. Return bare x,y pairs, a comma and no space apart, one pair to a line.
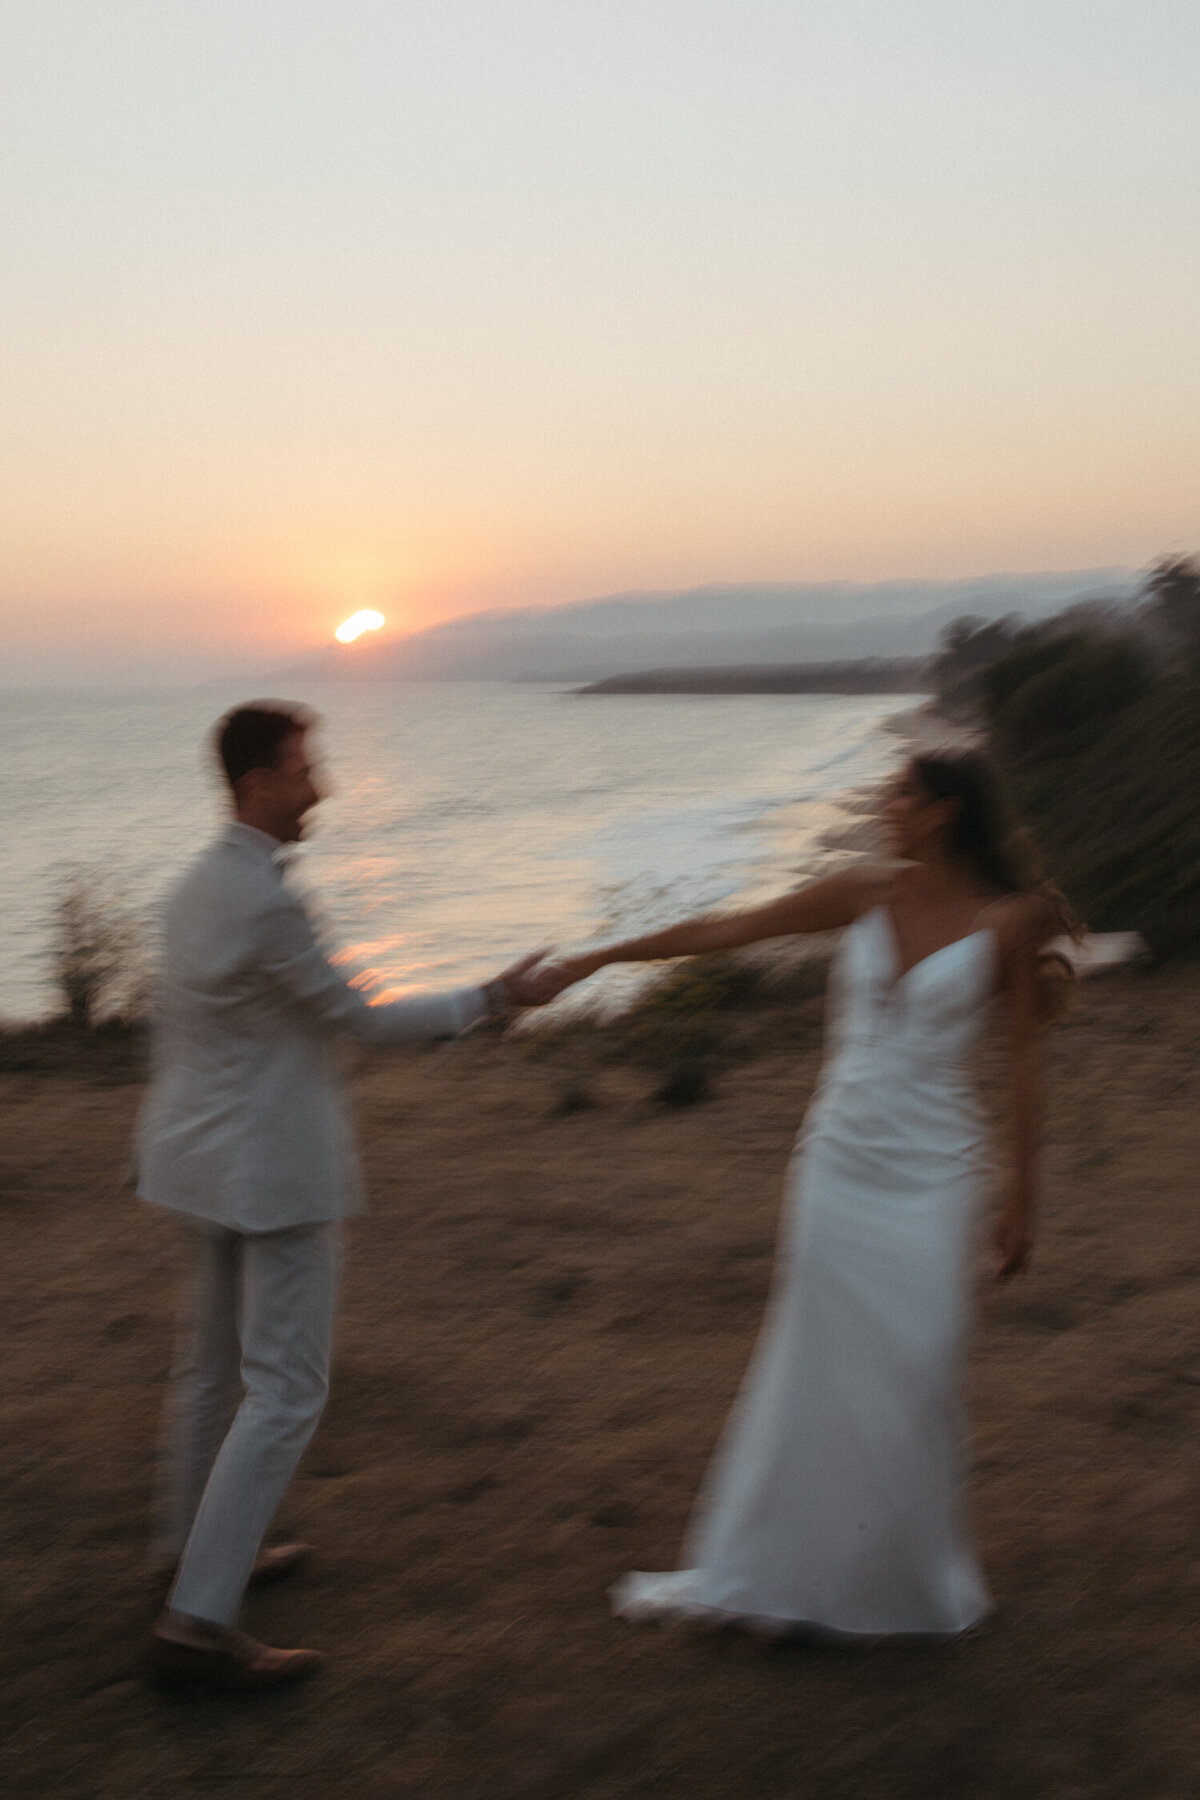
705,626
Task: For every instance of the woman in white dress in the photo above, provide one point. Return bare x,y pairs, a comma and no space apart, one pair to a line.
835,1499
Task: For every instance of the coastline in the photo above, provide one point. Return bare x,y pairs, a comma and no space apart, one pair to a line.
917,728
924,728
467,824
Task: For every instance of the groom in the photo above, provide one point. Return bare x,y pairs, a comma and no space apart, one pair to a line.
243,1135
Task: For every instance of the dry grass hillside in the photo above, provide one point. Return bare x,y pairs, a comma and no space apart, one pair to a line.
546,1315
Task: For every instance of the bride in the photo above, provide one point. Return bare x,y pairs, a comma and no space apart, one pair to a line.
835,1497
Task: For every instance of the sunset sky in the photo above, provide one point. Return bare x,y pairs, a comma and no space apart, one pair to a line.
320,305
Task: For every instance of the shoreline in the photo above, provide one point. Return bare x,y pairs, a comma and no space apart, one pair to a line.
555,828
918,728
924,728
848,836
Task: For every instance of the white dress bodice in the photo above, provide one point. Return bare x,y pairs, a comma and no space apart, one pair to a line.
898,1076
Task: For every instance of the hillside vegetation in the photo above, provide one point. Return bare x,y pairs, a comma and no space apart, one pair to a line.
1094,717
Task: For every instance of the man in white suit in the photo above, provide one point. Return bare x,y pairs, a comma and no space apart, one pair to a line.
243,1134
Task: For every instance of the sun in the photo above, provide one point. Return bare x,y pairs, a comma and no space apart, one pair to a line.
356,624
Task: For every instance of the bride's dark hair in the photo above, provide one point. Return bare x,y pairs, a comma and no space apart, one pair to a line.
981,833
983,836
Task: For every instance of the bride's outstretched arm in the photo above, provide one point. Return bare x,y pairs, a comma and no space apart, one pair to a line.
823,905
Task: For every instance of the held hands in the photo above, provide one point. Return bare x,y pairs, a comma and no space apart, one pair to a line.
555,974
535,980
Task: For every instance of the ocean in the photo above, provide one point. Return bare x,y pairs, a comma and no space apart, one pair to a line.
467,822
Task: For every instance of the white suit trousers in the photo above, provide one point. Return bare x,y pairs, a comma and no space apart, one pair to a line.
245,1397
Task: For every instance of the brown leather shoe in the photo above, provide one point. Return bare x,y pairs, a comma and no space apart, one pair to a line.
193,1653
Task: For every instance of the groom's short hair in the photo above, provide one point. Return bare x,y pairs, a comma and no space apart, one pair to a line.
250,737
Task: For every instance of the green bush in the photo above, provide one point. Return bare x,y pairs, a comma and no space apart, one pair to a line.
969,647
1094,720
1066,685
691,1019
720,982
675,1026
1114,812
1032,655
695,1016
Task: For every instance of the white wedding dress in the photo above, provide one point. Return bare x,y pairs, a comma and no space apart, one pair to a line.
835,1499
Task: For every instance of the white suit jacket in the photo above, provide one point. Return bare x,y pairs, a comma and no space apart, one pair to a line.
243,1124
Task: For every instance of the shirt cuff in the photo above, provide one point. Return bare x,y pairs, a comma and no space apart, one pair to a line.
470,1006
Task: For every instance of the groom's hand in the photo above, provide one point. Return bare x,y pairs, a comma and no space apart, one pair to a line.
533,981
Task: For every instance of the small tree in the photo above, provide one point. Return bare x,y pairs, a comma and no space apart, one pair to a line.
96,948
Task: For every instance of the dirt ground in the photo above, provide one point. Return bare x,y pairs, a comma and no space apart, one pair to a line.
546,1316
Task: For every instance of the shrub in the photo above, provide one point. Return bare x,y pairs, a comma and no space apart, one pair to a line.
96,950
969,647
685,1023
690,1020
1173,595
719,982
1114,812
1094,719
676,1018
1066,685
